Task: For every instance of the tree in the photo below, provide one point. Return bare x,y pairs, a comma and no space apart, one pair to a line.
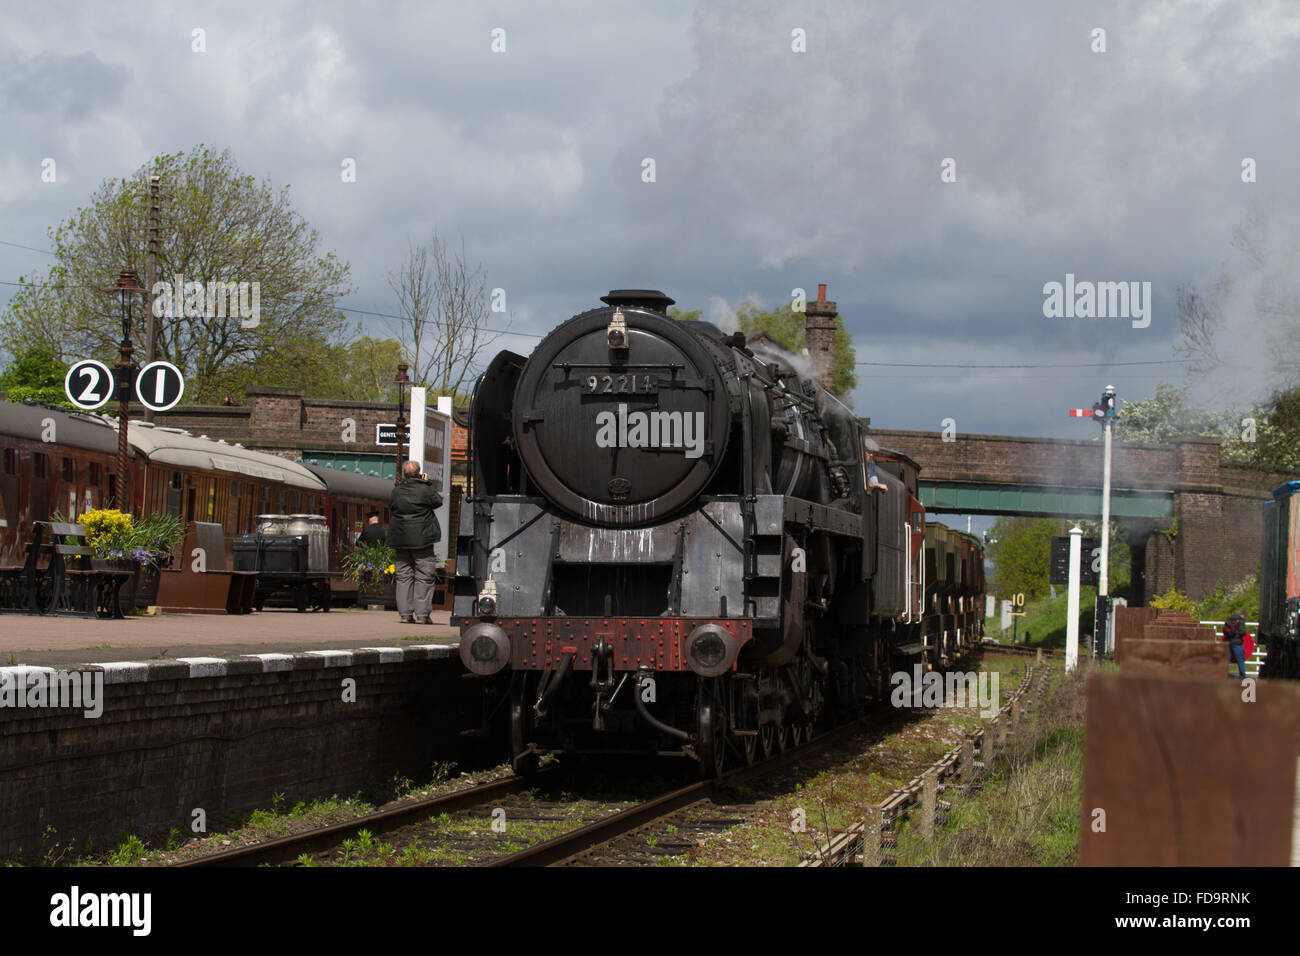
1020,549
371,366
443,329
787,327
1021,552
1266,437
1165,416
38,375
218,226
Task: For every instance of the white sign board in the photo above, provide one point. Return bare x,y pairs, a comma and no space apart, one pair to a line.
431,446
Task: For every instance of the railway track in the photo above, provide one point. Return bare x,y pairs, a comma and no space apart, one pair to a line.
291,847
585,844
582,840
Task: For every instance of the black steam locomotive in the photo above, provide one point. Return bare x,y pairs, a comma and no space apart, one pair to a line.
676,544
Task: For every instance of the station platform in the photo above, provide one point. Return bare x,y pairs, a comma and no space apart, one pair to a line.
61,641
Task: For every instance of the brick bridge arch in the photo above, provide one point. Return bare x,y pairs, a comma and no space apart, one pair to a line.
1190,519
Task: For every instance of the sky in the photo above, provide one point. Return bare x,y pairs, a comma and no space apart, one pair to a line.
937,165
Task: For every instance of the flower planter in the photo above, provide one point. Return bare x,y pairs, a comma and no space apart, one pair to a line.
385,594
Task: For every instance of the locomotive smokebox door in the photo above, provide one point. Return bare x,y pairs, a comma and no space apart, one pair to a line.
591,415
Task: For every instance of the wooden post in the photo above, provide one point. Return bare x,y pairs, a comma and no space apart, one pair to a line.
1015,716
990,744
967,762
929,799
871,836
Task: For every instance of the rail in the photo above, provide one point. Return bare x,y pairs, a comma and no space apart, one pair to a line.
863,843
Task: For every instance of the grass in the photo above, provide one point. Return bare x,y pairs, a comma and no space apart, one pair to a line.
1027,811
833,799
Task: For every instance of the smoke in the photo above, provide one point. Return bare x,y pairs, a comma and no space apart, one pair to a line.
1247,336
723,315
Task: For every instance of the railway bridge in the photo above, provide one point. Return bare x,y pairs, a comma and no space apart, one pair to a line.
1191,519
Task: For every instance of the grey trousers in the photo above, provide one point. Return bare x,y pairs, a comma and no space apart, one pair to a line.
414,573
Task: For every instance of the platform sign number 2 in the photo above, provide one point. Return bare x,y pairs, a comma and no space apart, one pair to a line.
88,384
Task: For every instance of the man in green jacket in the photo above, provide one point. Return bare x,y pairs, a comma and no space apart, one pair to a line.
412,534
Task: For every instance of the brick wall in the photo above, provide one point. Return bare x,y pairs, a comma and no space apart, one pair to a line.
226,737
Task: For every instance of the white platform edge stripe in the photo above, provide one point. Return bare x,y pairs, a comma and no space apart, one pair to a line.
272,662
333,658
387,655
206,666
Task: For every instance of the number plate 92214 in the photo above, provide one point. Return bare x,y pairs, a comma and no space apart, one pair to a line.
632,384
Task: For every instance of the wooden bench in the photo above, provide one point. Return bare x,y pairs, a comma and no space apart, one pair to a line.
214,590
19,583
70,582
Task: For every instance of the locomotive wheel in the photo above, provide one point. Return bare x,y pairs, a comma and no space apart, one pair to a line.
782,737
766,740
748,747
711,726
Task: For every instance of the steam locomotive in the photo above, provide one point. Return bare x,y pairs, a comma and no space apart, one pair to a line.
675,543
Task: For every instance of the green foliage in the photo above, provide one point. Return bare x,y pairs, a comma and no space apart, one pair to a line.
38,375
1176,600
369,367
1223,602
1266,436
1165,416
786,327
128,853
219,225
1021,552
370,566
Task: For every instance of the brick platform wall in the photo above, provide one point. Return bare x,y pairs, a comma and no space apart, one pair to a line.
176,736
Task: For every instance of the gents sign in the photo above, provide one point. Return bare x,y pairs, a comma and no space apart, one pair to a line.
1089,561
386,434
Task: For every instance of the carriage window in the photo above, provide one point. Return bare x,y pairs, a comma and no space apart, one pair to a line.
96,473
176,480
69,473
40,465
234,489
11,461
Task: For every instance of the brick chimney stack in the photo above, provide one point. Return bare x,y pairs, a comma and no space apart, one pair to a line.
819,336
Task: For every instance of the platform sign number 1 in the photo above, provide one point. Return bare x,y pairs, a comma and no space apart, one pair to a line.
159,386
88,384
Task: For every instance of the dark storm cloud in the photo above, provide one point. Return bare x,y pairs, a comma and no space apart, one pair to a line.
59,87
774,169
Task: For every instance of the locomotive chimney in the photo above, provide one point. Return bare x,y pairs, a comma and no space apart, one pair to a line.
819,336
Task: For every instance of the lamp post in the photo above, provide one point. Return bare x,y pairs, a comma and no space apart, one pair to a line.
401,382
126,287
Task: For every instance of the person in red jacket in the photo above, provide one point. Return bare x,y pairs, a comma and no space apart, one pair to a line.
1237,637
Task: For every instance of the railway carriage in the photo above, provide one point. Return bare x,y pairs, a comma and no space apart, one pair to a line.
677,544
57,461
1279,583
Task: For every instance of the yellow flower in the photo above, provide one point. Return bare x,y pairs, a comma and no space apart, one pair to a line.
391,569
